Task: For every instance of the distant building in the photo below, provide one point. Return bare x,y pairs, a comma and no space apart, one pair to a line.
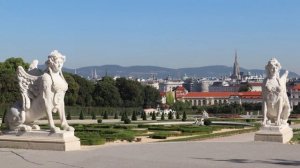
256,86
224,86
169,85
216,98
294,94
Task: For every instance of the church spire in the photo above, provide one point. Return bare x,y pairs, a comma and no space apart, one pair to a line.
236,68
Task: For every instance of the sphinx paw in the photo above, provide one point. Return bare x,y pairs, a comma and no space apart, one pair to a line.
68,128
25,128
36,127
54,129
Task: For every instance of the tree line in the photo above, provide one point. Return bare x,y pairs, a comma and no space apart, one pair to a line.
106,92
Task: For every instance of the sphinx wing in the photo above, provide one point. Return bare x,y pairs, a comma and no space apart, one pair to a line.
29,86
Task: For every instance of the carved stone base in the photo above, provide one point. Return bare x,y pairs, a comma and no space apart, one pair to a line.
40,140
282,134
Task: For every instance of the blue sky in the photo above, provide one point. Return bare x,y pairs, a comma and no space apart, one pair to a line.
168,33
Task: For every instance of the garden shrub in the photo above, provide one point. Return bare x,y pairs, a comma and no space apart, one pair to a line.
207,122
127,121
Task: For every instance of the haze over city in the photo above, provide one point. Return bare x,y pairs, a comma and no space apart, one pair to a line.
169,33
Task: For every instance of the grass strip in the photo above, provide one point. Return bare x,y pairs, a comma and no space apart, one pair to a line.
212,135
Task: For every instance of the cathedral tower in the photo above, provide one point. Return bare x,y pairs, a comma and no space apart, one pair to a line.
236,69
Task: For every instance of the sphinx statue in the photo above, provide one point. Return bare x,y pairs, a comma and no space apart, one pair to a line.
276,106
42,94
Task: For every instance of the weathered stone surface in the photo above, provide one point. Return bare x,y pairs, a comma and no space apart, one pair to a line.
40,140
282,134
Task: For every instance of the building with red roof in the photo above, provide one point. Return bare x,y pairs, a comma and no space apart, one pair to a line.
294,94
213,98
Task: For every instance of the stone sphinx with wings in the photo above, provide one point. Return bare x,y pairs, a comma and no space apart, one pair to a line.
42,94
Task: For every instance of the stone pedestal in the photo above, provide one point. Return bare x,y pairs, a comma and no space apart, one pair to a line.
271,133
40,140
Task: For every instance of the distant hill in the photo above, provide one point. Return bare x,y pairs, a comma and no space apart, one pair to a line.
161,72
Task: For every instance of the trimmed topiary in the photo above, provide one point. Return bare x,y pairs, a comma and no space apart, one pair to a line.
105,115
153,116
144,116
162,116
127,121
184,116
207,122
170,115
69,116
116,116
81,116
93,115
177,115
133,117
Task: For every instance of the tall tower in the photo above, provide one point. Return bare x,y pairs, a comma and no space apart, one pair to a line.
95,75
236,69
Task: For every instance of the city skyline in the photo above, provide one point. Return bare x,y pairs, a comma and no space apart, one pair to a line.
172,34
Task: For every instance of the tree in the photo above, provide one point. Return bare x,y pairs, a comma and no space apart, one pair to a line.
131,92
152,97
133,116
106,93
72,92
184,116
170,98
162,116
179,105
153,116
85,92
4,116
81,116
9,87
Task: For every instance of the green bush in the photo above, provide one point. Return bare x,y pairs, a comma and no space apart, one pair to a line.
177,115
92,141
81,116
170,115
158,136
93,115
153,117
184,116
124,116
133,117
163,134
207,122
105,115
69,116
162,116
116,116
127,126
144,116
127,121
